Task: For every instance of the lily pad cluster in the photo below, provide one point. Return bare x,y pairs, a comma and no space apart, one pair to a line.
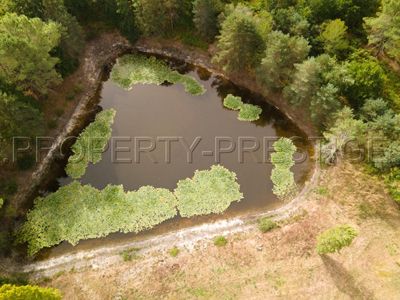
134,69
90,144
78,212
282,159
247,112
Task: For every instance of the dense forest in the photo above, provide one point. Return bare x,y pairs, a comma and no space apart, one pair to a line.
338,60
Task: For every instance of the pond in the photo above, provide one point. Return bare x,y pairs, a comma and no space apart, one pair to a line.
147,116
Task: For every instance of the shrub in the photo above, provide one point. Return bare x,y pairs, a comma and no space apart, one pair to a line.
130,254
249,112
138,69
90,144
232,102
209,191
266,224
10,292
335,239
220,241
174,252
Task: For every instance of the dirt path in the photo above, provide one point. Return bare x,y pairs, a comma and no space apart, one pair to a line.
279,264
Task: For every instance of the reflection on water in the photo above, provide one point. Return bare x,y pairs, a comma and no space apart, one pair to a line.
148,114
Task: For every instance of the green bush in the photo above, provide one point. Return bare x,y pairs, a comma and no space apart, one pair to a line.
266,224
209,191
232,102
90,144
335,239
220,241
130,254
8,187
174,252
28,292
138,69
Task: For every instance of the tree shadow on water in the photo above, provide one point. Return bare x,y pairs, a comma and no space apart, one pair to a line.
344,281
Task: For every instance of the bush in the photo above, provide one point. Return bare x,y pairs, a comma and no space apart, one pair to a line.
266,224
130,254
335,239
28,292
220,241
174,251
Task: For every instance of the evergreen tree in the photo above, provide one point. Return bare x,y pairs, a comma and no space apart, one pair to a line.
384,30
25,60
206,17
282,53
240,44
334,38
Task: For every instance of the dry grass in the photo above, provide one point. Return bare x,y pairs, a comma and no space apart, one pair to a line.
282,263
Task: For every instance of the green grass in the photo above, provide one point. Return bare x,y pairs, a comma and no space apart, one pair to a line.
209,191
130,254
174,252
220,241
266,224
90,144
139,69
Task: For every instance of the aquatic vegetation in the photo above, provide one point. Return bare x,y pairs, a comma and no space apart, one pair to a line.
90,144
209,191
233,102
77,212
249,112
282,159
335,239
138,69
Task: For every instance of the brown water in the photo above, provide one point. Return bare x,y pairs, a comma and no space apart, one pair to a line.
154,112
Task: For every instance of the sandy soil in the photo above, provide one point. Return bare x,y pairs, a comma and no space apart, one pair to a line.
279,264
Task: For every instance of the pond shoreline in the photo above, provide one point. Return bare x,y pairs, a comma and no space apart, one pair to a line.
99,57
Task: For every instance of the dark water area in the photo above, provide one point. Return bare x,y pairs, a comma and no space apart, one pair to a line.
148,115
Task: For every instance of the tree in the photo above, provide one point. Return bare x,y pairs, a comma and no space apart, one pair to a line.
335,239
9,292
282,53
351,12
17,118
384,29
344,130
290,21
25,60
334,37
155,17
368,79
240,43
317,85
205,17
